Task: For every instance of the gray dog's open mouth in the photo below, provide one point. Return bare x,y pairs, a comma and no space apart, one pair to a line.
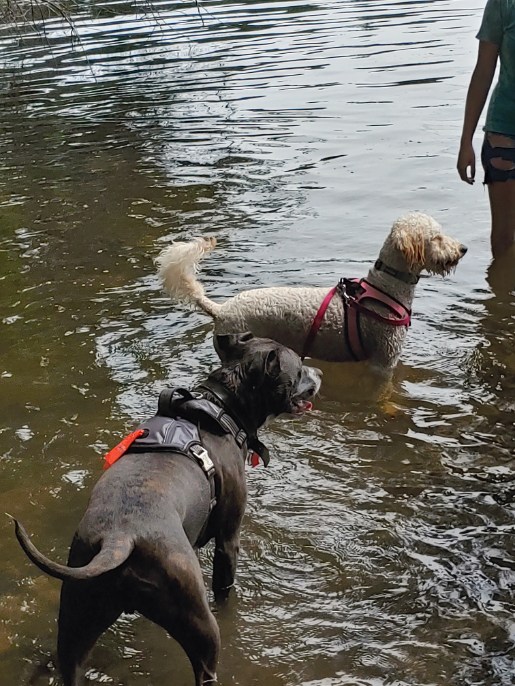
301,406
307,389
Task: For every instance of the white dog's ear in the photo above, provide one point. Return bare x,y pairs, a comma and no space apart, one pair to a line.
411,243
231,346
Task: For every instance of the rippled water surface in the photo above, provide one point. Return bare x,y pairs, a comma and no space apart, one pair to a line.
376,550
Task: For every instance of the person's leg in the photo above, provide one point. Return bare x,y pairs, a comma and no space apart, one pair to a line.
502,208
498,158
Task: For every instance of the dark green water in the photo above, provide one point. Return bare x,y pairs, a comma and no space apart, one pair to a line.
376,551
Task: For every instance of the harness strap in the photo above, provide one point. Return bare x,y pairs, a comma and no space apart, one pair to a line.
160,434
206,464
317,322
176,443
176,429
355,293
180,402
353,333
401,314
237,417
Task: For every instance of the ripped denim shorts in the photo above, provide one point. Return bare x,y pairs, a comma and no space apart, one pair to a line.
498,157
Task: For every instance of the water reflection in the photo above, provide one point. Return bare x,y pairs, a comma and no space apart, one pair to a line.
494,365
377,549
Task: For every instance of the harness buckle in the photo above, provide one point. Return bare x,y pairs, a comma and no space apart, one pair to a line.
202,457
348,290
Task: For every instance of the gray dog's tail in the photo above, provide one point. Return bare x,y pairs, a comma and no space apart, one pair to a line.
177,266
111,555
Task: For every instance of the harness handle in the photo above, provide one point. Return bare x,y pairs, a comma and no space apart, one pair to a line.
166,399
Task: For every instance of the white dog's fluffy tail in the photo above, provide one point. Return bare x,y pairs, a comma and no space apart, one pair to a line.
177,266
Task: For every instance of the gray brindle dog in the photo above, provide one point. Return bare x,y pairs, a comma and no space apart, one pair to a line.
134,549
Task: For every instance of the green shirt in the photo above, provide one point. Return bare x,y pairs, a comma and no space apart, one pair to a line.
498,27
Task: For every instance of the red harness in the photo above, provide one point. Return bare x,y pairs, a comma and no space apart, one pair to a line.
355,293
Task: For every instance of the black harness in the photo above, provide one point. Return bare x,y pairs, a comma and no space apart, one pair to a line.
175,428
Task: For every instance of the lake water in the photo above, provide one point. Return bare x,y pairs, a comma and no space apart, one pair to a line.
376,550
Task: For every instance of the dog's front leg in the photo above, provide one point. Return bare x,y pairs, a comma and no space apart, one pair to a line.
385,390
224,564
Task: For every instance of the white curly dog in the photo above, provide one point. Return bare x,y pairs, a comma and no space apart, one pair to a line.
361,319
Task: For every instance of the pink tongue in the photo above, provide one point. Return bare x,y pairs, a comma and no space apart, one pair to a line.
303,406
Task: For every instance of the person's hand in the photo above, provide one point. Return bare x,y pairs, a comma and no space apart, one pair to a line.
467,163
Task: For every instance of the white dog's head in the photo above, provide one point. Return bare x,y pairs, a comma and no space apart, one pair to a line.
419,241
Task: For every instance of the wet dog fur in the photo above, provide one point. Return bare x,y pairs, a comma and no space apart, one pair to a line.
416,243
134,549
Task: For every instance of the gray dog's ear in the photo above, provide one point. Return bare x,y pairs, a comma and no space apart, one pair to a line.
231,346
272,365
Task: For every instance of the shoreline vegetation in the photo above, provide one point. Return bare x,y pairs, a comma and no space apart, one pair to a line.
14,12
17,15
